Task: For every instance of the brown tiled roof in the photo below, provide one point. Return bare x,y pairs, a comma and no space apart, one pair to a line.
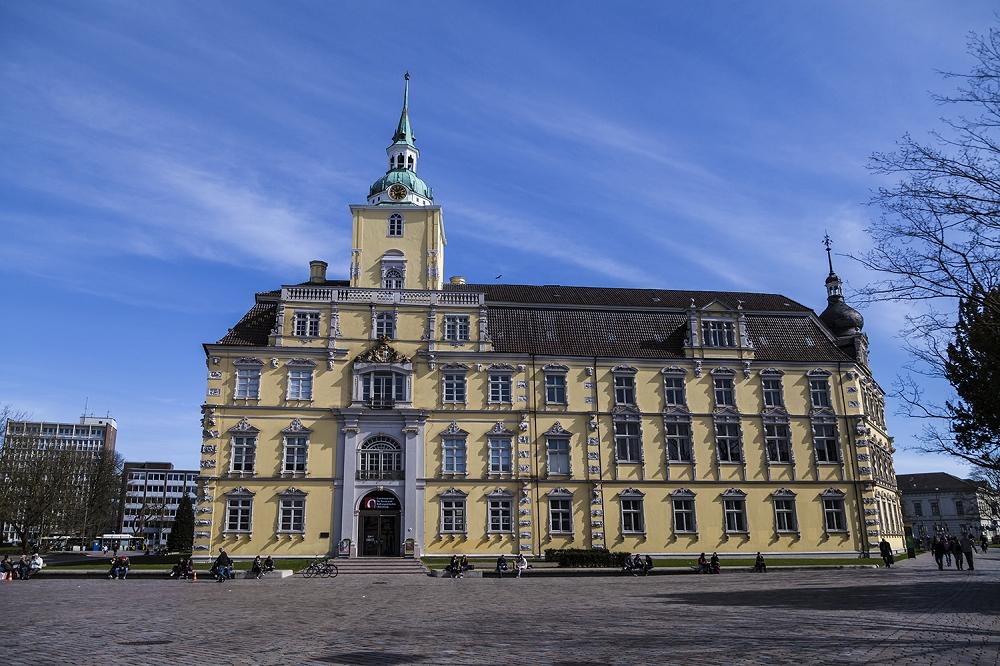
554,294
607,322
255,326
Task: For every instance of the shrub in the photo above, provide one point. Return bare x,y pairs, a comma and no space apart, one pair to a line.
582,557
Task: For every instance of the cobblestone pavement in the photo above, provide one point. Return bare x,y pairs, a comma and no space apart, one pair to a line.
912,614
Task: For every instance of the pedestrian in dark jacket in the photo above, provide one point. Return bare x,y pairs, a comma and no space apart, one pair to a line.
885,550
257,568
966,545
759,566
938,548
956,551
223,566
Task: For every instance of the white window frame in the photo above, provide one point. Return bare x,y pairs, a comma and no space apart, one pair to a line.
632,504
690,512
247,383
681,439
819,387
496,448
295,443
719,437
564,512
288,509
727,388
674,385
457,328
385,325
500,387
735,506
242,505
305,323
625,389
778,433
499,509
394,227
300,383
393,278
243,443
790,511
454,455
560,443
455,503
632,441
830,441
772,391
454,386
718,332
833,504
559,386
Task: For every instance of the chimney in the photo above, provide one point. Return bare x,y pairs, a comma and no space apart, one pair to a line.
317,271
457,279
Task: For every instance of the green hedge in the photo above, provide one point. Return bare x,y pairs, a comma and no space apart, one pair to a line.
581,557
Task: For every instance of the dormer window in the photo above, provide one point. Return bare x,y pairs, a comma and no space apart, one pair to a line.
307,324
717,333
456,328
395,225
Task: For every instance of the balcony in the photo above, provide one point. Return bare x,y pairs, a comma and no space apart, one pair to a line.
380,475
380,403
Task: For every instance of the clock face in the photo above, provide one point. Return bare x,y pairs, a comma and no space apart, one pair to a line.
397,192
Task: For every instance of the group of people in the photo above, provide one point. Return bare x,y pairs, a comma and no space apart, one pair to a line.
503,566
184,570
637,565
223,568
712,565
23,569
119,567
960,549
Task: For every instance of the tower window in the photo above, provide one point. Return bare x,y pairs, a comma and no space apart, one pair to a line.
393,279
395,224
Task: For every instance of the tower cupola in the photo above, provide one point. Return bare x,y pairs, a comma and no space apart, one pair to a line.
400,185
839,317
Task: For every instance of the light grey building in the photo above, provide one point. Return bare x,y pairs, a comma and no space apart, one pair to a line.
937,503
151,494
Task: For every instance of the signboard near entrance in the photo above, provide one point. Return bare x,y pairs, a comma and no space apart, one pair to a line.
380,500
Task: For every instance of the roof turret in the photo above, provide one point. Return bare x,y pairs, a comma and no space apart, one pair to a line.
839,317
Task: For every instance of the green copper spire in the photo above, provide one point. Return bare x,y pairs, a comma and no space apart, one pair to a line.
404,134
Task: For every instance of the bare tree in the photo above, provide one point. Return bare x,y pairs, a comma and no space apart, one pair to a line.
937,242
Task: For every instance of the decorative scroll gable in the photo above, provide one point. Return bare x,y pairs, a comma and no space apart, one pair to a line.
381,352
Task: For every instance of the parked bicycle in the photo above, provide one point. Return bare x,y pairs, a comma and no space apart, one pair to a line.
321,568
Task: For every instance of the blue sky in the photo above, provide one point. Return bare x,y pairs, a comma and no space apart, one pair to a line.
160,162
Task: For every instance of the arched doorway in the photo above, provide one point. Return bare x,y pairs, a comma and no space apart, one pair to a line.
378,524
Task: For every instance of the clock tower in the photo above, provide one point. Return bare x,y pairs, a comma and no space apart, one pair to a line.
398,237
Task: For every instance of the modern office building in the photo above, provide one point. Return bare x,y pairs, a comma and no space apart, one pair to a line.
26,442
937,503
151,494
394,412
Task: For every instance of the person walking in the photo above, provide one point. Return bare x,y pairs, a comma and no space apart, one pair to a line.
885,550
956,551
223,566
966,544
937,547
947,551
984,543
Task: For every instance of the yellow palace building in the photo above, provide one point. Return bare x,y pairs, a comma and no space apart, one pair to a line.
395,413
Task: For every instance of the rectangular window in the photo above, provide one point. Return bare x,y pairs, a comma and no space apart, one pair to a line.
248,383
454,387
778,441
736,515
678,435
453,515
555,389
819,393
772,392
833,515
633,521
385,325
395,224
499,454
918,508
825,441
718,333
557,450
307,324
935,508
684,515
295,455
456,328
300,384
725,395
624,390
727,439
560,515
293,515
499,384
244,453
673,390
960,507
238,513
383,389
784,515
628,445
501,519
453,453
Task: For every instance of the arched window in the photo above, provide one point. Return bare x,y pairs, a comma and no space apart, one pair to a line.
380,457
395,224
393,279
409,162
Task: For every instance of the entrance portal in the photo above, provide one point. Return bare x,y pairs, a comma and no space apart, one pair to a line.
378,525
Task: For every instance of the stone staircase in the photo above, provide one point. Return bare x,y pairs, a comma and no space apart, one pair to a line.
380,566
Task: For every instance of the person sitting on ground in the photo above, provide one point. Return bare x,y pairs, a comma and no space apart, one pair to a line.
647,565
35,565
759,566
175,571
637,565
268,564
502,565
123,566
223,566
716,567
702,564
7,568
257,568
453,567
522,564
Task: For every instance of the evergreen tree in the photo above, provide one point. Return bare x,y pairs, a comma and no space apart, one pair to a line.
972,366
181,534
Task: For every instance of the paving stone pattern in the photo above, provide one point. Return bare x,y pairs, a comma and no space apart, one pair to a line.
912,614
